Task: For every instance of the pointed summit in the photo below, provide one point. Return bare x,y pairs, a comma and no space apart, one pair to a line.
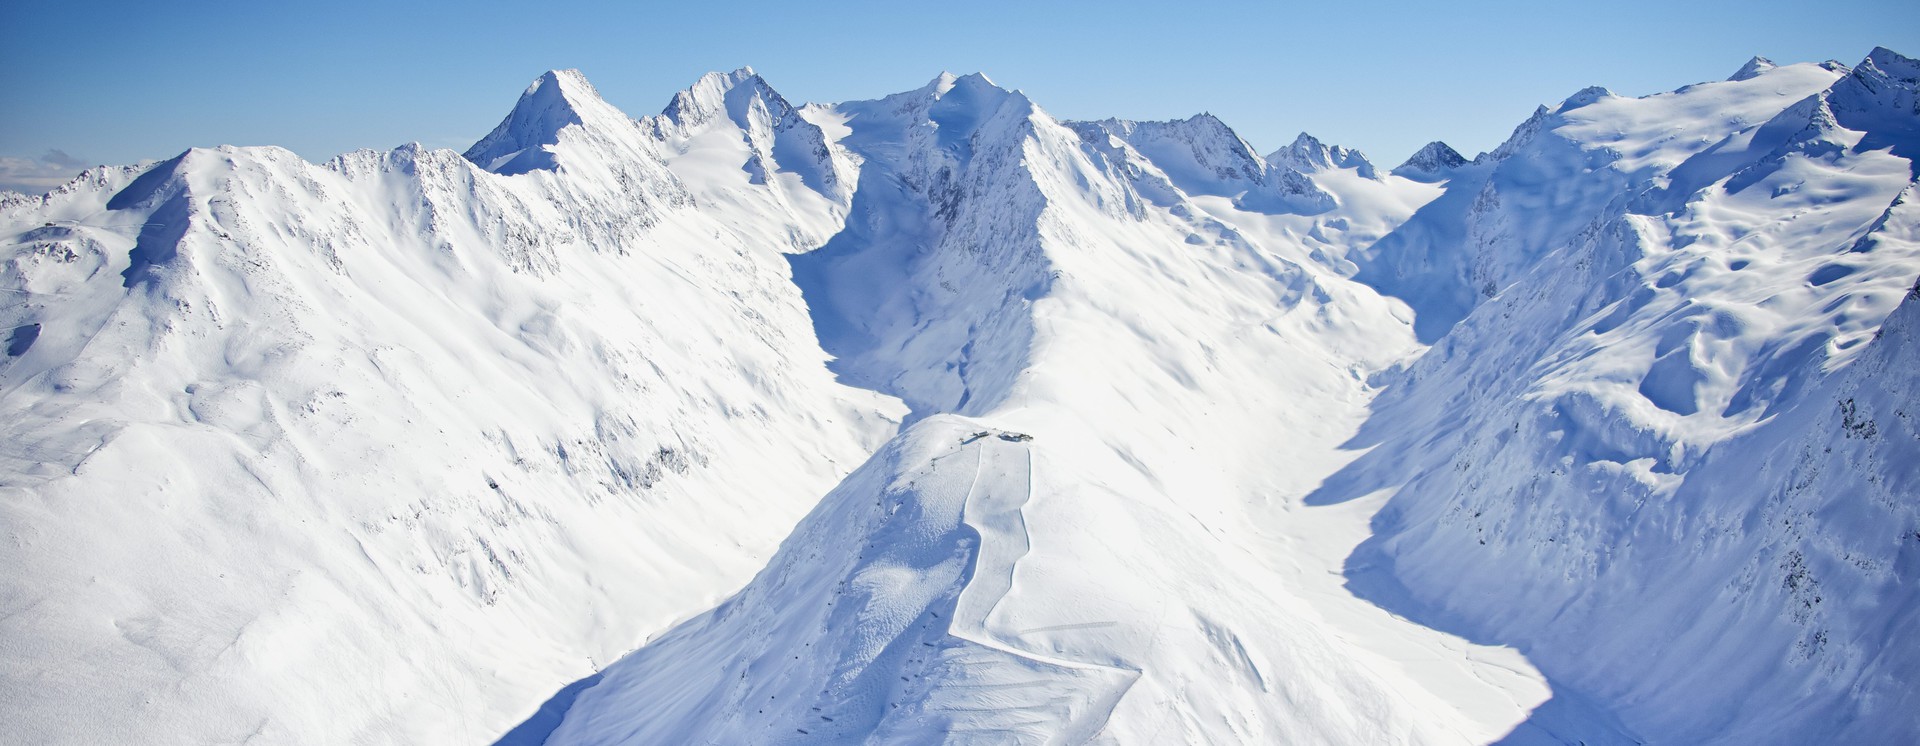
709,95
556,100
777,138
1201,155
1879,97
1308,154
1753,69
1584,97
1431,163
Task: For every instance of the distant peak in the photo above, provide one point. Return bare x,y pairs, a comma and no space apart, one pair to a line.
1308,154
1584,97
726,80
947,82
708,97
1753,68
564,82
1892,63
975,78
941,84
1431,162
1207,120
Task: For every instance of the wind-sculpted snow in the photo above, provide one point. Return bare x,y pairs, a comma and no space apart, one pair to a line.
1634,459
1604,436
870,623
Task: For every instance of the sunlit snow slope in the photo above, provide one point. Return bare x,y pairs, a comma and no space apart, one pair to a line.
381,449
1138,436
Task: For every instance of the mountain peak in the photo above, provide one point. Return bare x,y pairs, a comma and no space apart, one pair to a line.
1307,154
708,96
940,84
946,82
1894,64
1584,97
1431,162
566,82
1753,68
976,79
1878,97
556,100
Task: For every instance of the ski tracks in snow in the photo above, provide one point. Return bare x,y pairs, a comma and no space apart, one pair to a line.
1079,696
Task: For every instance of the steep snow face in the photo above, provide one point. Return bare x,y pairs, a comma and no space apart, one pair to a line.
1878,99
385,449
776,138
1640,421
925,293
1565,170
562,101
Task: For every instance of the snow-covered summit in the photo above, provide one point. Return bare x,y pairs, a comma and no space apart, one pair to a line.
1752,69
1881,98
1308,154
709,95
1431,162
555,101
1584,97
1667,283
742,106
1202,155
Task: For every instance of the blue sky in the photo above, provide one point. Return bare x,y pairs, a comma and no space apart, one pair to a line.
117,82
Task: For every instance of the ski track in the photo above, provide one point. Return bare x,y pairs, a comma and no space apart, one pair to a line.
997,517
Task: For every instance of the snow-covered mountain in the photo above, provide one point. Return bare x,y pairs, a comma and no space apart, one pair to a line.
378,449
1434,161
1125,433
1308,154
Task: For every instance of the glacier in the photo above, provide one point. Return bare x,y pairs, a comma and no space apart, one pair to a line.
934,418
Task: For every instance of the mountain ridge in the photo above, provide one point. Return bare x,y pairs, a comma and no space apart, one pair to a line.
1121,427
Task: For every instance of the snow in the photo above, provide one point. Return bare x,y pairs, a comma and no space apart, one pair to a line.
1433,162
1308,155
1623,433
381,449
1125,433
1753,68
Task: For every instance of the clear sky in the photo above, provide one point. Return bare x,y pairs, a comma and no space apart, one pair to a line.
117,82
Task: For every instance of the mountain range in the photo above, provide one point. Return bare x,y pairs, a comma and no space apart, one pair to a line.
936,418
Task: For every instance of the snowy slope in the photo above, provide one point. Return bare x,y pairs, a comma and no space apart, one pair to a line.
1543,436
1652,456
383,449
1125,433
1184,385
